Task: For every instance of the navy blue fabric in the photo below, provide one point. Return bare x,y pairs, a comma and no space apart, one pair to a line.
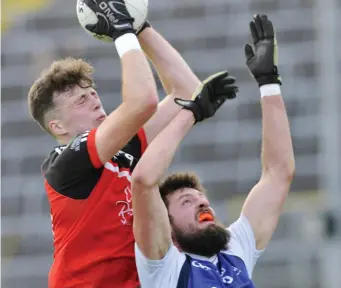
184,273
230,271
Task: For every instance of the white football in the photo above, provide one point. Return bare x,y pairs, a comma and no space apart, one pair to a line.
138,9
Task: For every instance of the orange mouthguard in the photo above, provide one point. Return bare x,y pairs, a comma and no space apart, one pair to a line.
205,217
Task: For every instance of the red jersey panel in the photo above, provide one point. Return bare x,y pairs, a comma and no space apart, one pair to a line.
92,215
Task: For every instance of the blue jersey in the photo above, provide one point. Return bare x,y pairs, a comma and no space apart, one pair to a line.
228,271
230,268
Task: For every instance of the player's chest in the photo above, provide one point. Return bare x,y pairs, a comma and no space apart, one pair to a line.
117,182
205,274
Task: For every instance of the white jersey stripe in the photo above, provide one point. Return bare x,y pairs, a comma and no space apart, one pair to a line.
115,169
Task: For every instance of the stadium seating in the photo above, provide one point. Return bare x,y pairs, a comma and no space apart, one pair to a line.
223,151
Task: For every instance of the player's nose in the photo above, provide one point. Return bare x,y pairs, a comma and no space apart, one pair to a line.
96,103
96,107
203,203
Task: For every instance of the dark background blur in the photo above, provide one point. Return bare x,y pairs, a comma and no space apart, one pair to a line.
224,151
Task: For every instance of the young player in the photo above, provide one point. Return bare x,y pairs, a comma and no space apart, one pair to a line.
179,241
87,177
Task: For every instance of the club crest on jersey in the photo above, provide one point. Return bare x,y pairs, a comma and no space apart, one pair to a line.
126,211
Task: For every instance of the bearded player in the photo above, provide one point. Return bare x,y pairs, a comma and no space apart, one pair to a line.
179,241
87,176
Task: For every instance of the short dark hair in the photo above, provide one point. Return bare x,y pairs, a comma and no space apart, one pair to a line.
60,75
178,181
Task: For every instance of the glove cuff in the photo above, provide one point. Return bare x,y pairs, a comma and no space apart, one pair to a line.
123,29
193,107
145,25
268,79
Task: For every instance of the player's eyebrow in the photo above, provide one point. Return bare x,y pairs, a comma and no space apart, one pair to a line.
67,91
183,196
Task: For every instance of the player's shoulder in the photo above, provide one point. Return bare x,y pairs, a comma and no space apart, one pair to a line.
74,145
160,273
51,158
242,243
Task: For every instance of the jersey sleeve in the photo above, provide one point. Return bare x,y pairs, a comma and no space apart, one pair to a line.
137,145
243,244
160,273
74,170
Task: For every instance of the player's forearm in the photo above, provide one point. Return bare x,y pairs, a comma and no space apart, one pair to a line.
139,104
138,84
175,74
151,226
159,155
177,78
167,109
277,149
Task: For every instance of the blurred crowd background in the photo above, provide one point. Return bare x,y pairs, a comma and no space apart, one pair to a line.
306,249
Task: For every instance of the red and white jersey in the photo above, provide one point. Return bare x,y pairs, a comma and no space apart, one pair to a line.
91,212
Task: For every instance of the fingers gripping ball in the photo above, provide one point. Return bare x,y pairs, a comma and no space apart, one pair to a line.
89,12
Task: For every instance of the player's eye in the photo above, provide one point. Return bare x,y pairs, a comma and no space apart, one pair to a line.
68,88
186,202
82,99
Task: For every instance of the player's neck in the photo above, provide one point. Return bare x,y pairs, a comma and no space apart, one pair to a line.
64,140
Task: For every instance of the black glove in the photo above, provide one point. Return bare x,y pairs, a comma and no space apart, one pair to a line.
144,26
114,19
210,95
262,62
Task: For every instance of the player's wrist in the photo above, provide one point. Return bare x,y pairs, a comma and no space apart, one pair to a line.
127,42
122,29
192,106
189,114
145,25
270,90
272,77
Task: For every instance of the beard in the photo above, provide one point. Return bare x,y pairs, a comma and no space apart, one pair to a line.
206,242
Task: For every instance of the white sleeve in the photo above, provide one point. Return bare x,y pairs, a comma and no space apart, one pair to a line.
243,244
159,273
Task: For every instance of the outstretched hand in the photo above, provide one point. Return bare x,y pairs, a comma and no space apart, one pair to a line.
210,95
262,61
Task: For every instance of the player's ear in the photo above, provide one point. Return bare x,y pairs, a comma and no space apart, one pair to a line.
56,128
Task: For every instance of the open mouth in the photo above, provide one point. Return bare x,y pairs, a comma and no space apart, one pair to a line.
205,217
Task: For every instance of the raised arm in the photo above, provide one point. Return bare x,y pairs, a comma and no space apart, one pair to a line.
151,224
138,86
176,76
139,104
264,204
